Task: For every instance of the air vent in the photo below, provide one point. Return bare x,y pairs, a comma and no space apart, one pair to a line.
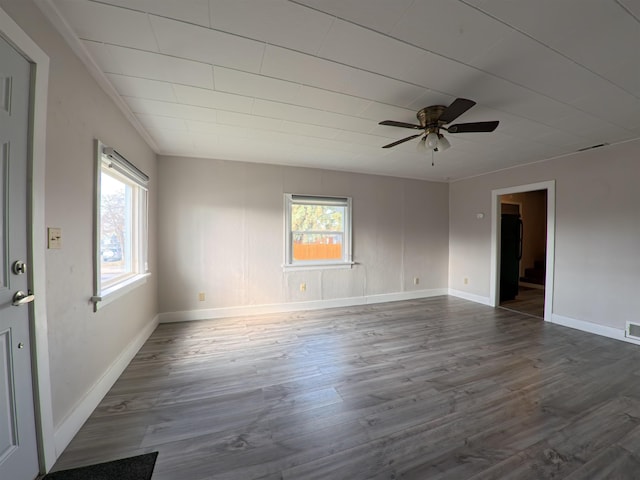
593,146
632,330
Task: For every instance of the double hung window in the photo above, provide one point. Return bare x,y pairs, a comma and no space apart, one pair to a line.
121,223
318,230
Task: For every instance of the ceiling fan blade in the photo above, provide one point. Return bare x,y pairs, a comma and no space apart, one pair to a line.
457,108
398,142
393,123
473,127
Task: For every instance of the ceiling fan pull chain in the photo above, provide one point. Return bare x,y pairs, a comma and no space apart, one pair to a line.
433,163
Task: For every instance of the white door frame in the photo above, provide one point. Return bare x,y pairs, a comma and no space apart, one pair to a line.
494,292
11,32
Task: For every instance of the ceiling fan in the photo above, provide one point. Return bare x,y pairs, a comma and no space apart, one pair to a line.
434,118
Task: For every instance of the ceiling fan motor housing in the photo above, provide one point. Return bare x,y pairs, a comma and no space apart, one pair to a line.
429,116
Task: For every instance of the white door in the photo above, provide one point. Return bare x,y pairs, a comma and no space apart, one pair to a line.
18,448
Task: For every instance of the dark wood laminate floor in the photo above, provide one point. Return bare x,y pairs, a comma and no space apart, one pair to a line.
438,388
529,300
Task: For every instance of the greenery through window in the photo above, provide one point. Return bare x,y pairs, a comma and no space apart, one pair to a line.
318,230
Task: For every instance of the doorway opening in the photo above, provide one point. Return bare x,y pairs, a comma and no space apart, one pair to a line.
523,245
523,233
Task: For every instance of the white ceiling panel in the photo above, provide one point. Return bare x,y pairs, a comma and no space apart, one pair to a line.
252,85
205,45
351,44
590,128
451,29
306,82
526,62
249,121
379,15
142,88
217,131
321,73
614,108
362,139
212,99
307,130
191,11
155,122
632,6
311,116
331,101
276,22
587,39
154,66
175,110
104,23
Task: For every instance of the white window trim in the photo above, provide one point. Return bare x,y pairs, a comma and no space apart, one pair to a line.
347,262
104,296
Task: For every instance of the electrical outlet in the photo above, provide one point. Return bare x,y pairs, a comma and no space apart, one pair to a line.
201,296
416,280
54,237
466,281
303,287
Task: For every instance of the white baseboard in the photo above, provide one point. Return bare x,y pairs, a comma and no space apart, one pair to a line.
610,332
470,296
65,432
212,313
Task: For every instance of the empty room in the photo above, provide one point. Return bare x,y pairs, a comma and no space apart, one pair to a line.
319,239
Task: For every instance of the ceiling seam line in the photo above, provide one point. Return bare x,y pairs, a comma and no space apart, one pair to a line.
558,52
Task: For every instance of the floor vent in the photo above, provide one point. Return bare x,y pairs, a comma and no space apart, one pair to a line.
632,330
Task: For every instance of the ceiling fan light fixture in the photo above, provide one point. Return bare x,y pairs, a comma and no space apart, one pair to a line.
432,141
421,147
443,143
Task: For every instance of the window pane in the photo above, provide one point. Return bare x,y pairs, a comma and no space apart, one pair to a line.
115,229
317,218
317,246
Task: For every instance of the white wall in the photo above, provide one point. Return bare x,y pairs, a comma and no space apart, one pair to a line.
597,263
221,232
82,344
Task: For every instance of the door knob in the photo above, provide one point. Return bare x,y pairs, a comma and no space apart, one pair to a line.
21,298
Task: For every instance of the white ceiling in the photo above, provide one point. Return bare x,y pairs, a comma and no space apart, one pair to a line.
306,82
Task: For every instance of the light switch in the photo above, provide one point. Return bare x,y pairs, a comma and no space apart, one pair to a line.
54,237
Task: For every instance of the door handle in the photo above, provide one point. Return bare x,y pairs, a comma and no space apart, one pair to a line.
21,298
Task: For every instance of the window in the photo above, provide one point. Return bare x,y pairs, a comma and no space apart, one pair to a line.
121,224
318,231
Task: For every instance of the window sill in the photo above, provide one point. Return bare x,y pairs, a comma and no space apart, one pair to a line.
114,292
317,266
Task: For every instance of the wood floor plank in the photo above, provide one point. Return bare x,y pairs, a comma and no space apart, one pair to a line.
434,388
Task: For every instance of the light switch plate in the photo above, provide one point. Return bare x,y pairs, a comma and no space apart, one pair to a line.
54,235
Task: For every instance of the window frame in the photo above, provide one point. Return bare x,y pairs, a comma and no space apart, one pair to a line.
346,261
108,161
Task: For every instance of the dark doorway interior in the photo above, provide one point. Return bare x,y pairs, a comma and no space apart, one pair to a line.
523,237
